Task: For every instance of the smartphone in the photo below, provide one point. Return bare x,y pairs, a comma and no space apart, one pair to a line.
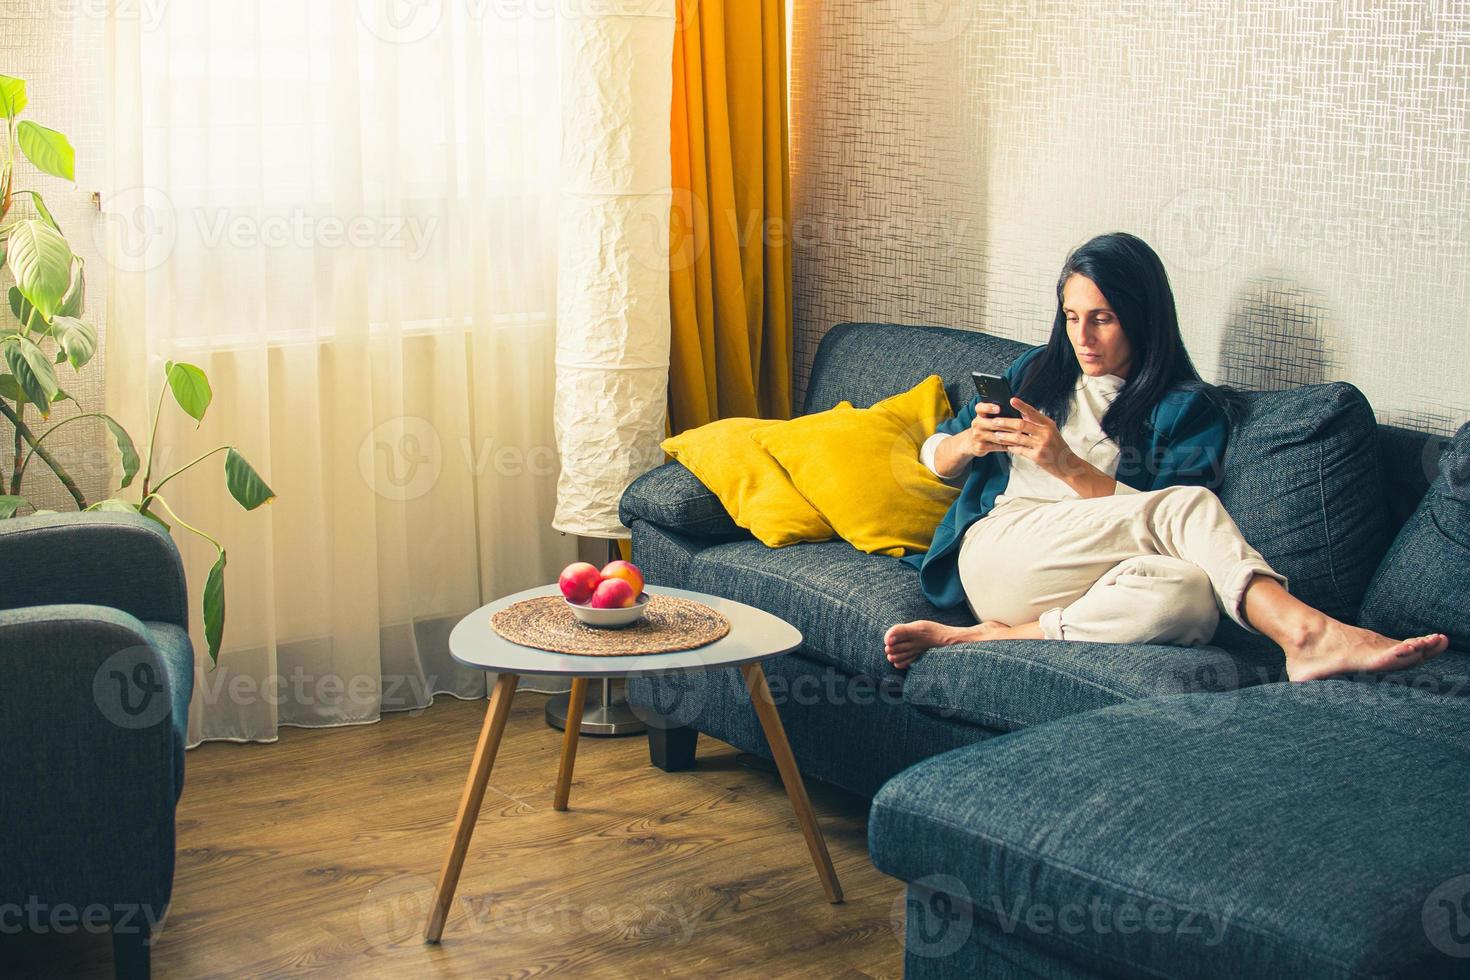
994,388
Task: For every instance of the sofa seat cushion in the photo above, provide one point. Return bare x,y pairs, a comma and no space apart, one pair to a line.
1013,684
1420,587
1292,830
842,600
1302,482
672,497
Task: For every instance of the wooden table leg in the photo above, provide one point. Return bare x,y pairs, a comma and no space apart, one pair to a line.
469,803
569,738
765,710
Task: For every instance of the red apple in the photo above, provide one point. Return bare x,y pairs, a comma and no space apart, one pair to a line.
627,571
579,580
613,593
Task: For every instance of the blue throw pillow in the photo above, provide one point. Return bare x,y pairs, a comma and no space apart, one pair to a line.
1302,482
1421,585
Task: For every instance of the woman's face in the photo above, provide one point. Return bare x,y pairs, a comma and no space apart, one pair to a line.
1097,336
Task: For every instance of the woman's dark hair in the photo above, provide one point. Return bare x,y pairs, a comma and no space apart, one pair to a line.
1131,277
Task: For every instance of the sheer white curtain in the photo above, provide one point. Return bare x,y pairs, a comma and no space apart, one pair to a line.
344,212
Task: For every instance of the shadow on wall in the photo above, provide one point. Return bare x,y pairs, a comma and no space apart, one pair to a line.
1275,338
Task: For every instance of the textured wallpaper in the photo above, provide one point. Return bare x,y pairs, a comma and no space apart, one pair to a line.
57,49
1302,167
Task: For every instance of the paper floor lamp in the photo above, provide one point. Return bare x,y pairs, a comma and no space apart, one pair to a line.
612,337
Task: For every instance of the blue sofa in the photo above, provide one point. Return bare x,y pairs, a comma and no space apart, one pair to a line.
1078,809
98,670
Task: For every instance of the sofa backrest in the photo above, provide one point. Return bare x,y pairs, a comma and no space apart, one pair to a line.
866,362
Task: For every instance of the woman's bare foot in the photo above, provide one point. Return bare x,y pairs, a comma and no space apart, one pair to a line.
1328,648
904,642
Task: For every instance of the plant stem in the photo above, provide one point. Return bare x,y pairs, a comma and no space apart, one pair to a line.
23,431
152,434
197,459
47,435
185,524
17,466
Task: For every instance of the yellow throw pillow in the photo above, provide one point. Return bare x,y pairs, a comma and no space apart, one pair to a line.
860,468
753,487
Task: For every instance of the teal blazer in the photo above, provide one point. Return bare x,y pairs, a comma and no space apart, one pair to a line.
1184,444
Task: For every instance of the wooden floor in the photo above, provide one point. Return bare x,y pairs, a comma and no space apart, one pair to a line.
318,855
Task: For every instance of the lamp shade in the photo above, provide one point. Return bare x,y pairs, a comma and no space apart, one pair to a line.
612,338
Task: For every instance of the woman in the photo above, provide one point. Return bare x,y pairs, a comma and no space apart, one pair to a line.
1088,518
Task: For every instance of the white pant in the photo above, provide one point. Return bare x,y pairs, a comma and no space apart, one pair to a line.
1132,568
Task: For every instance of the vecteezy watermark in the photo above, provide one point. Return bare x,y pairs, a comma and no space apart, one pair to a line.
412,21
394,913
1101,917
129,688
297,228
400,21
142,228
1203,229
1197,231
933,917
936,21
38,917
148,14
1446,917
402,458
139,229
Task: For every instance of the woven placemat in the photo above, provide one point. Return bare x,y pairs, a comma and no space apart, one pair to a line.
668,625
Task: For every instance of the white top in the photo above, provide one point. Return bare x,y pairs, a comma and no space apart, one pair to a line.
754,635
1083,433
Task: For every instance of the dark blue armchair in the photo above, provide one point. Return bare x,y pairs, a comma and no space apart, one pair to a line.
96,670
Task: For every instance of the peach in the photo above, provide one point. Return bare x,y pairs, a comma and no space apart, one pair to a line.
579,581
613,593
627,571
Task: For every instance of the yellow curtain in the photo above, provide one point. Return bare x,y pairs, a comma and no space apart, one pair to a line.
730,254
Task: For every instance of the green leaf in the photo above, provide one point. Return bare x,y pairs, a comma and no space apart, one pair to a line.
9,390
41,261
32,370
113,505
9,505
12,96
76,294
244,484
41,208
214,607
78,340
19,305
125,449
190,388
47,149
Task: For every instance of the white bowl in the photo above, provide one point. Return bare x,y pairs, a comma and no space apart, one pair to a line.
625,616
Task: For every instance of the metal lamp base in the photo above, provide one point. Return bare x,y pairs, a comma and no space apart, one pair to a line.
602,715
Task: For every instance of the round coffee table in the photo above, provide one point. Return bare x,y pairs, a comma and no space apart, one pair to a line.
754,635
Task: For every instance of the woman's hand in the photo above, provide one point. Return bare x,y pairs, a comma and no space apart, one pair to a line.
955,453
1034,436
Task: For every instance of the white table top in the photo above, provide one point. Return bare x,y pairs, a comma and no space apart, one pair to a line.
754,635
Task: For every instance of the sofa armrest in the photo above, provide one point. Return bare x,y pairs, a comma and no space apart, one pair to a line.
124,561
674,498
90,772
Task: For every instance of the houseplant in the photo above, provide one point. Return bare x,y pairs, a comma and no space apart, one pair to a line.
45,328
